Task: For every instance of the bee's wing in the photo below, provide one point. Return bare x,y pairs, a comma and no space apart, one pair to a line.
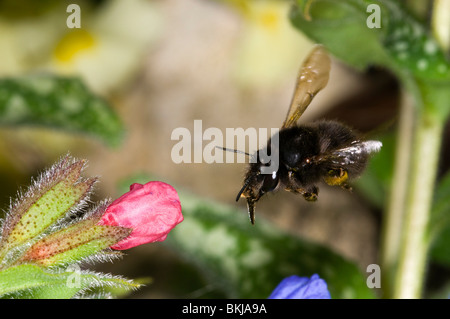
312,78
350,155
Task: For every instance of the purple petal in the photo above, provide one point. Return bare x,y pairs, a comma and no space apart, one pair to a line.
295,287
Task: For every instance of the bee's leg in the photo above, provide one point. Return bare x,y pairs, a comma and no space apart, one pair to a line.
337,177
347,187
310,193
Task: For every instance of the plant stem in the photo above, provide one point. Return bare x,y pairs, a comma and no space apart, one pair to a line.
408,260
414,242
392,221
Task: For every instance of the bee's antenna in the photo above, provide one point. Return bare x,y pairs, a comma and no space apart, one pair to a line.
232,150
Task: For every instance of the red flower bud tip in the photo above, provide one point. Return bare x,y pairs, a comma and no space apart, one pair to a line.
151,210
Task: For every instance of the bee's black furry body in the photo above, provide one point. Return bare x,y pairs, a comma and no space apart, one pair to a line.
307,155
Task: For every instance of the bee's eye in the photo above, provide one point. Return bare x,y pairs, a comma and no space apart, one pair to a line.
270,182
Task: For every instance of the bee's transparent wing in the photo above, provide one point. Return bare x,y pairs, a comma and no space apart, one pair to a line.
312,78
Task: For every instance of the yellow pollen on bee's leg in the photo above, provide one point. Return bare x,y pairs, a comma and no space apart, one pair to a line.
336,177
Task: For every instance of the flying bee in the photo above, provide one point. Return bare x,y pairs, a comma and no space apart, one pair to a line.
307,154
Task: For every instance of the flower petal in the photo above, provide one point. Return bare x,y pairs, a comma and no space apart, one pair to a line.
295,287
151,210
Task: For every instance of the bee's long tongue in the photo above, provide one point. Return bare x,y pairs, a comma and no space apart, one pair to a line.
251,210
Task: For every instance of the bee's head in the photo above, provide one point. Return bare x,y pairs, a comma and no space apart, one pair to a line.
261,178
256,184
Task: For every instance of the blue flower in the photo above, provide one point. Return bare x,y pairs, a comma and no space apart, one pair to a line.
295,287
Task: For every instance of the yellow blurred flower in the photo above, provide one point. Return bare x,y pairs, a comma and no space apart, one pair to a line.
106,51
270,47
76,42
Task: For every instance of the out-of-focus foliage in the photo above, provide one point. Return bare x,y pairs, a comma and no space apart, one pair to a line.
61,103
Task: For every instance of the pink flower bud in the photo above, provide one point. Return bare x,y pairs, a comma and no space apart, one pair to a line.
151,210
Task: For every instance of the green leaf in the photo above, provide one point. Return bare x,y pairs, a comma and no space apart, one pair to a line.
375,183
443,292
440,223
441,204
31,281
58,102
401,42
341,26
435,97
410,44
248,261
440,249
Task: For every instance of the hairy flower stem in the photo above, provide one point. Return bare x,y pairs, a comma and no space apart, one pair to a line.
421,181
